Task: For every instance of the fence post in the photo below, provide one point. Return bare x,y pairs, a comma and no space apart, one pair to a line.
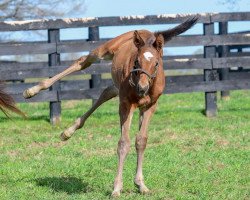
95,80
54,60
239,50
210,74
224,72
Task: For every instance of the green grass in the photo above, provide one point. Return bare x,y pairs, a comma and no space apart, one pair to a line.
188,155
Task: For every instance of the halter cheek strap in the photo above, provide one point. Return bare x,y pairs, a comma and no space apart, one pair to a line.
137,69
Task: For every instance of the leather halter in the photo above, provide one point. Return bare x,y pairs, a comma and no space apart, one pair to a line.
137,68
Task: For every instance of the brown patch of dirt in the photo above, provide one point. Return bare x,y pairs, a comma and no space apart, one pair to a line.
90,136
59,144
216,166
220,165
70,104
108,137
186,149
173,136
156,143
47,144
162,138
99,152
222,142
13,153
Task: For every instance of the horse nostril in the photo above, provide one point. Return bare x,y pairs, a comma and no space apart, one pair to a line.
142,90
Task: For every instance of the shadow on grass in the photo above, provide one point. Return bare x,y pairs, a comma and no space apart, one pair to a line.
39,118
29,118
178,110
70,185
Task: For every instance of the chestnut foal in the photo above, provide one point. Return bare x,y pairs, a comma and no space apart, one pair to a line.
139,80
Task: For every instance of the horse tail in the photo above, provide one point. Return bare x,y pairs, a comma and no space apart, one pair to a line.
7,103
169,34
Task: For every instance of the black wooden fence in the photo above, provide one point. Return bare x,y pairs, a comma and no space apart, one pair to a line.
216,62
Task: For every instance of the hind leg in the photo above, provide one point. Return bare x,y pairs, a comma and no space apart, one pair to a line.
82,63
104,51
109,93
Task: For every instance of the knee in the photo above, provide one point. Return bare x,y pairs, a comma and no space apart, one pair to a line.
123,146
141,142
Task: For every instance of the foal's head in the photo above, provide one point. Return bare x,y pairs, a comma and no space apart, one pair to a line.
147,62
150,55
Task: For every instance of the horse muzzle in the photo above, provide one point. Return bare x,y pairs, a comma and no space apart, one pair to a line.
142,90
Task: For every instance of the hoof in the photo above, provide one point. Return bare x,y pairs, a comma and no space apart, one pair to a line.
26,94
31,92
144,190
64,136
116,194
142,187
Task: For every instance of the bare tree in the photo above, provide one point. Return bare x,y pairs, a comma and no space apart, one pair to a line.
31,9
231,4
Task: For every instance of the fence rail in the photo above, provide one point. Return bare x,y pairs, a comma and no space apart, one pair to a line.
27,48
44,24
40,70
214,66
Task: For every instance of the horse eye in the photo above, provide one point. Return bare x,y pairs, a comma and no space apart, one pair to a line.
156,65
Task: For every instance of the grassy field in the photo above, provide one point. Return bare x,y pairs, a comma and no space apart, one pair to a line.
188,155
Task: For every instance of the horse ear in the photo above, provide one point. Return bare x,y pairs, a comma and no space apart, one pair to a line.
138,41
159,43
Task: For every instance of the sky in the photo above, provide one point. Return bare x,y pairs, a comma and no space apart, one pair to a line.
153,7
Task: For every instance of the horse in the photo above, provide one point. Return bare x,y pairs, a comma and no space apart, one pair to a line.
7,103
138,79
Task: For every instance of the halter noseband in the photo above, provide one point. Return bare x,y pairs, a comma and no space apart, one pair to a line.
137,68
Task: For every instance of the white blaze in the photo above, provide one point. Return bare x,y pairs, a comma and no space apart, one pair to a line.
148,55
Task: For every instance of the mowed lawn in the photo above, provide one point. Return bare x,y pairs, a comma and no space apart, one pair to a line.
188,155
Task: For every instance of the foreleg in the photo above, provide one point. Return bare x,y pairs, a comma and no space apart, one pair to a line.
126,113
140,145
